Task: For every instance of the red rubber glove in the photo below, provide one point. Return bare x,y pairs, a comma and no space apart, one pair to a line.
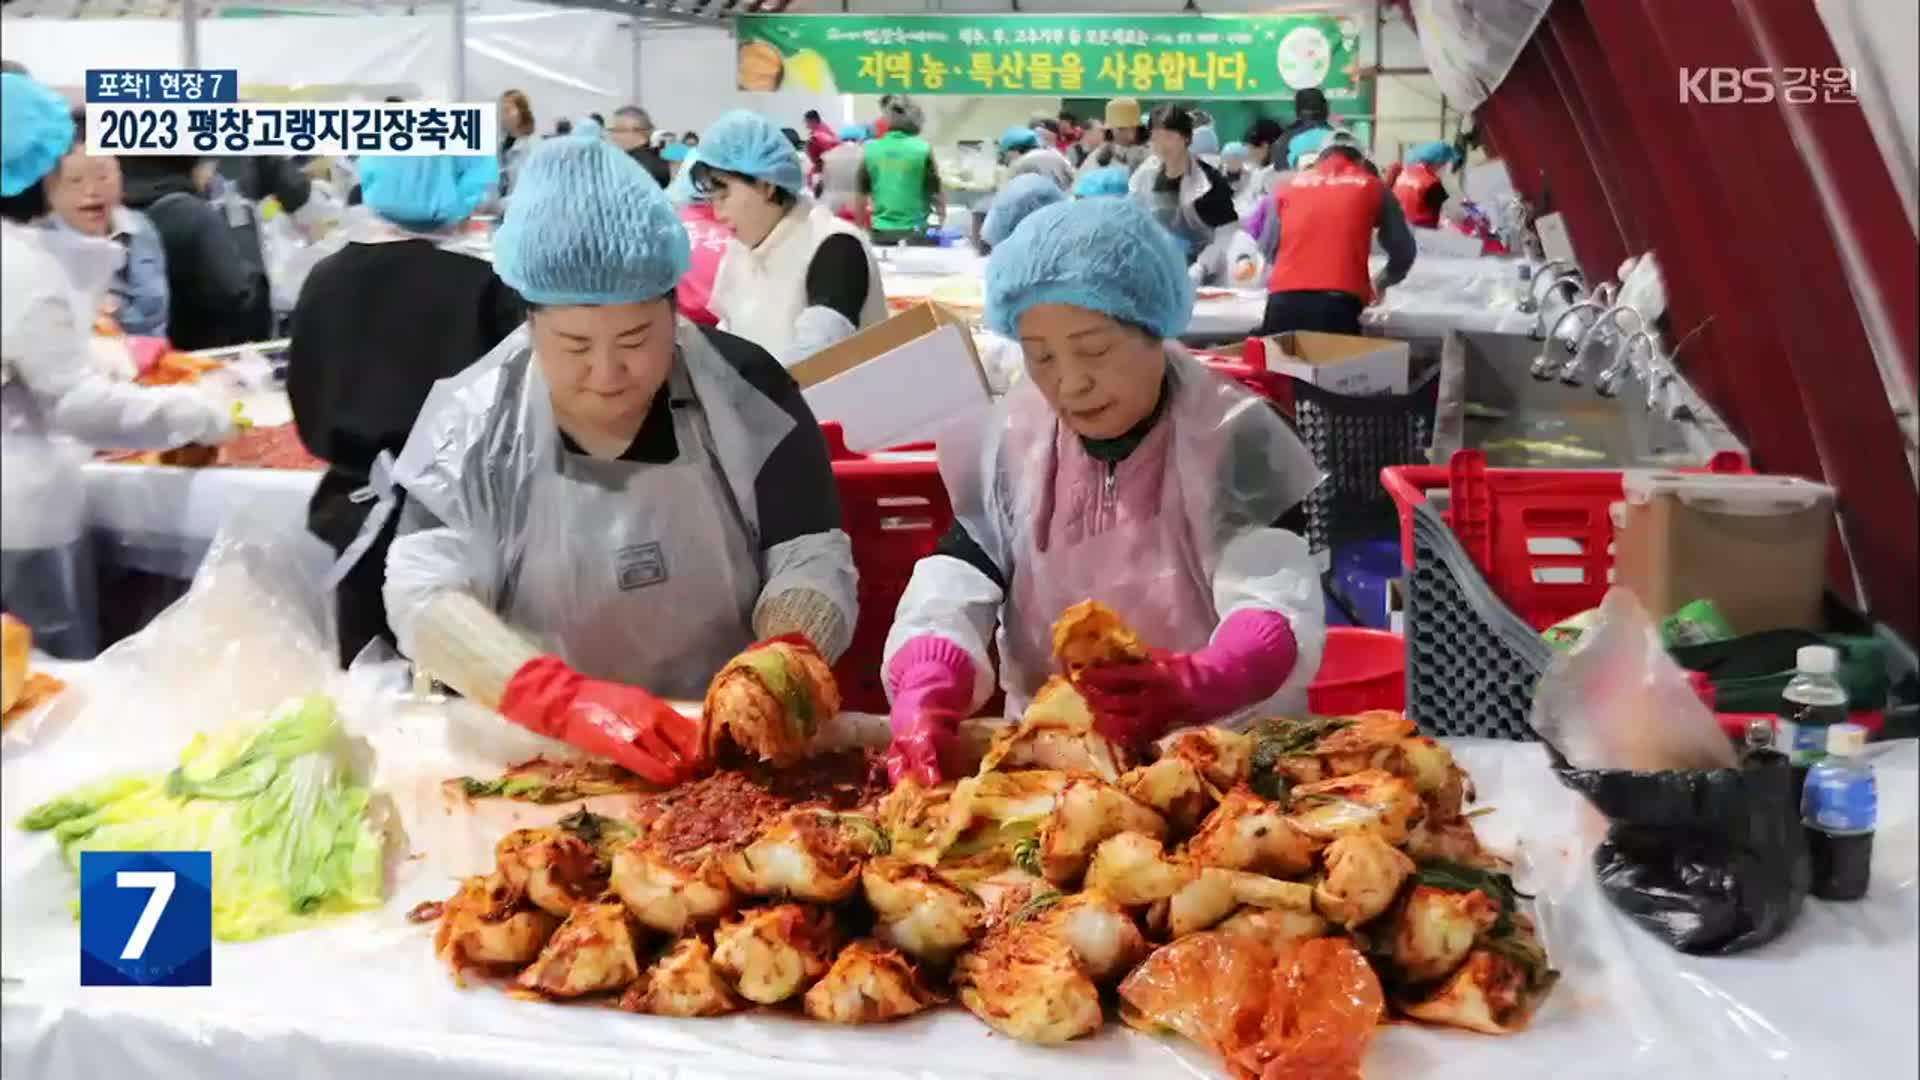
932,683
623,723
794,638
1249,659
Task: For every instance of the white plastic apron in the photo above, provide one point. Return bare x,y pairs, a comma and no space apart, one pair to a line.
1100,531
648,577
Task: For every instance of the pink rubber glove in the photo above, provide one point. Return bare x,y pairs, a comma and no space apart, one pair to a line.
1249,659
931,680
146,351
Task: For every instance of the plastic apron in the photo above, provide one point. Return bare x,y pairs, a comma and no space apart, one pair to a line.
1220,467
1095,518
47,573
631,571
663,596
1173,209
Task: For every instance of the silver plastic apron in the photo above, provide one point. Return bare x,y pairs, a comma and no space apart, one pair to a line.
656,582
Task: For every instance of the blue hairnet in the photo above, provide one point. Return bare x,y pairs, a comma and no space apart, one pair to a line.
1105,255
1106,180
853,133
682,190
426,192
753,146
1019,138
36,130
1022,196
1307,142
1206,141
1234,151
587,225
1430,153
589,126
675,152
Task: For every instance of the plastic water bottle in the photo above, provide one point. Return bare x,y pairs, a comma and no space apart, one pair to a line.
1838,808
1813,702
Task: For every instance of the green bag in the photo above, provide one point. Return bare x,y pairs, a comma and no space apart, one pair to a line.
1748,673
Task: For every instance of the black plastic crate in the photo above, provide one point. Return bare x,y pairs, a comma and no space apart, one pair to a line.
1352,439
1471,662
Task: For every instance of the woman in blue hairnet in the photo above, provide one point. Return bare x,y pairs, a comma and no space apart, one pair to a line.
1106,181
1120,470
614,502
1024,153
377,323
796,278
53,395
1000,357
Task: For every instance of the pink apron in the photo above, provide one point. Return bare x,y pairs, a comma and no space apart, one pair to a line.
1118,535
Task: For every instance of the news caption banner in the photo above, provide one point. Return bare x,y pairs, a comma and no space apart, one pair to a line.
146,918
165,112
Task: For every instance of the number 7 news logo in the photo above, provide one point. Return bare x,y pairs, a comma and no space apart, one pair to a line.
146,918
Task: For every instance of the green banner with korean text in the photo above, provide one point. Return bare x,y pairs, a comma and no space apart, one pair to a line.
1157,56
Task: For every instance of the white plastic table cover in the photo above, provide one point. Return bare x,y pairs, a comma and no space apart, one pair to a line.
159,518
364,997
1440,293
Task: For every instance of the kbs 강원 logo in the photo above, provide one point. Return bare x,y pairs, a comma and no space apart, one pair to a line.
146,918
1763,85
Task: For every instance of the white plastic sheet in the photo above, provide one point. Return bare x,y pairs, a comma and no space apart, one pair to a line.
1470,45
160,519
1441,293
364,996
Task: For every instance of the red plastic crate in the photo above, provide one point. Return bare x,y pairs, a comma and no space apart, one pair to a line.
1249,369
895,512
1543,538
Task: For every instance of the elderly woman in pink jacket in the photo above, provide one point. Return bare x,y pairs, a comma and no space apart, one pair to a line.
1119,470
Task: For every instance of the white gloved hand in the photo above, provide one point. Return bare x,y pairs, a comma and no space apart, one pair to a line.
198,418
111,357
815,329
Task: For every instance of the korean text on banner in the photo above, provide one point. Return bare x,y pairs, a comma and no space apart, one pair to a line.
410,129
1158,56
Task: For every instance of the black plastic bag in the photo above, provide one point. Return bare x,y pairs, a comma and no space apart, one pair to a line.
1712,861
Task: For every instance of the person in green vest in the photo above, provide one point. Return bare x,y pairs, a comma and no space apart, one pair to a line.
900,183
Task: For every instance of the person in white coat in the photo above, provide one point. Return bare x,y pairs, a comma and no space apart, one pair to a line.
614,502
796,278
1119,470
55,398
1186,195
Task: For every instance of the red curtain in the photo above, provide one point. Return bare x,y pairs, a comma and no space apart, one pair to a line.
1592,123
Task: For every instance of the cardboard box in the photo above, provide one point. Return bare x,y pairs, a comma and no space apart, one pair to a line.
1338,363
1754,545
898,382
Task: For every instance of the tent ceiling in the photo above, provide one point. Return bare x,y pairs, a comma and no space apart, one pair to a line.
680,11
707,12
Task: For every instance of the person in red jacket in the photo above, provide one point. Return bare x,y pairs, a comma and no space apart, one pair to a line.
820,139
1417,187
1328,215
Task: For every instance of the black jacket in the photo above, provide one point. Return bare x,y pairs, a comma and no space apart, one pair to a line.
375,326
651,161
259,177
217,294
1215,208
